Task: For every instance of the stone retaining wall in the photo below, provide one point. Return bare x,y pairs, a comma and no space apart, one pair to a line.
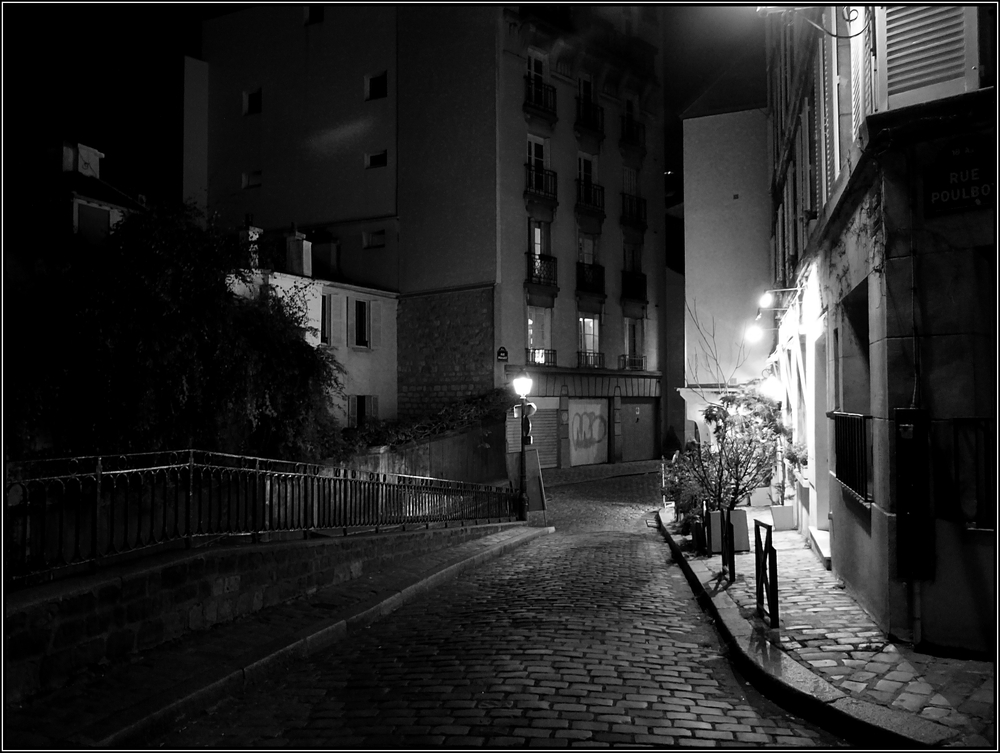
56,630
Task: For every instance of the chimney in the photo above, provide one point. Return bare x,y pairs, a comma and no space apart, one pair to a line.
298,254
82,159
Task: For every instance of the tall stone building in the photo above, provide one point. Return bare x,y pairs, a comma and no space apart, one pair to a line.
882,125
498,169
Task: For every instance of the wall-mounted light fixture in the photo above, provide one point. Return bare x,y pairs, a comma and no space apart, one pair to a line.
754,333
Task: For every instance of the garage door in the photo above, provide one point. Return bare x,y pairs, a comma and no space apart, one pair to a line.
544,435
638,429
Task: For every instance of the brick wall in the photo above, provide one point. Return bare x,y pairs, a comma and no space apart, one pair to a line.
56,630
445,349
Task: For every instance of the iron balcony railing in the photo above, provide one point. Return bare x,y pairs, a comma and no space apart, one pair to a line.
542,269
634,286
589,359
540,356
633,209
589,115
60,517
540,182
589,196
632,363
853,447
633,132
589,278
539,95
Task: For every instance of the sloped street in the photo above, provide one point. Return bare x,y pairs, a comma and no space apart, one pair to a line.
588,636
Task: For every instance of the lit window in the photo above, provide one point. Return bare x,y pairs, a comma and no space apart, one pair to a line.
590,333
539,328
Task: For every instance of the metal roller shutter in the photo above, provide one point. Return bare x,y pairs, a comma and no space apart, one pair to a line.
544,432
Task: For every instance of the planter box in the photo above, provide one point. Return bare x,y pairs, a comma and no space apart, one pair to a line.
783,517
741,534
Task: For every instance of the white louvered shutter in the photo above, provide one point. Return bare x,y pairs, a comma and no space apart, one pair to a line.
927,51
335,321
861,68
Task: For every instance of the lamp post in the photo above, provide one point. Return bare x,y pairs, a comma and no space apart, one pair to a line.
522,386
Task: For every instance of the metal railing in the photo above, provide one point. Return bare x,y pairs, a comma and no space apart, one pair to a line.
853,447
590,195
540,356
89,509
634,286
633,209
542,269
589,115
539,95
541,182
766,573
974,459
589,278
589,359
632,363
633,132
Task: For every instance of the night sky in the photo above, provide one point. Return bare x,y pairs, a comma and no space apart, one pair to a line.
109,76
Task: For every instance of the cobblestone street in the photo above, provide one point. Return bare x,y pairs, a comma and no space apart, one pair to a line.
588,636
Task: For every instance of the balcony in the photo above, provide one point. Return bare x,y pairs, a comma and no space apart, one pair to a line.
589,359
634,287
589,206
632,142
539,357
590,279
542,270
540,188
633,212
589,124
539,100
632,363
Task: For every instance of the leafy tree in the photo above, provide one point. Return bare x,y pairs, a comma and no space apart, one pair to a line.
142,344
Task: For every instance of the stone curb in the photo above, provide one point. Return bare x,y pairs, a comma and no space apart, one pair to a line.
157,714
797,688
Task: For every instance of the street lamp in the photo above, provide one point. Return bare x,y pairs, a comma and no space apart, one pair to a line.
522,386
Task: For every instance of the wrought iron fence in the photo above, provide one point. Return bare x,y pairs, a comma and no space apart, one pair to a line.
634,286
852,442
633,132
590,278
589,115
590,196
633,209
766,573
83,510
589,359
540,356
632,363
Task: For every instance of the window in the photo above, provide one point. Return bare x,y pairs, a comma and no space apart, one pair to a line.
252,179
377,159
252,102
536,67
314,14
630,181
586,89
377,86
590,333
364,323
538,237
538,156
361,409
586,169
373,239
633,337
633,257
587,246
539,328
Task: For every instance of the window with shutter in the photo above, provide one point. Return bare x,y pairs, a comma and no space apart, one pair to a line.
929,52
332,327
861,68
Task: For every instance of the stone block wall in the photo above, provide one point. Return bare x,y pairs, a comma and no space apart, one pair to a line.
54,631
445,349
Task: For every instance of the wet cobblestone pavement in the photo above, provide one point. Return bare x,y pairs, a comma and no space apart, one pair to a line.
587,637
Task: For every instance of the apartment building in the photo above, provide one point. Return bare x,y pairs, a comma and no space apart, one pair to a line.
494,170
882,123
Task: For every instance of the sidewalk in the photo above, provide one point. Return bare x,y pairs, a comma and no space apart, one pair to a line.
828,660
131,703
